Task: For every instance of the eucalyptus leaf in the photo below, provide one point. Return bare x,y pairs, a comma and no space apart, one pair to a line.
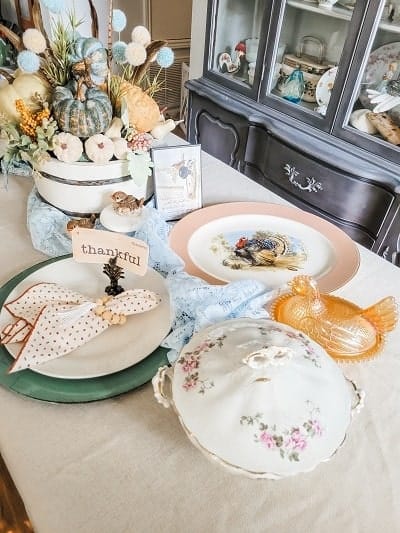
4,144
43,145
140,165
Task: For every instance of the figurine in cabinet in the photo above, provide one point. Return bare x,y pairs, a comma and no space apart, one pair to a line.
235,63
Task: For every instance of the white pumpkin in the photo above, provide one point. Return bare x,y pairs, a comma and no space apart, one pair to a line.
99,148
67,147
163,128
120,147
24,87
114,129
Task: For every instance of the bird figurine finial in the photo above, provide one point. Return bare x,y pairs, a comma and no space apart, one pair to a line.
304,285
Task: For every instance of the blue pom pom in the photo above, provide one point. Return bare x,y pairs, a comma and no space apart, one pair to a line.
118,20
118,51
165,57
28,61
55,6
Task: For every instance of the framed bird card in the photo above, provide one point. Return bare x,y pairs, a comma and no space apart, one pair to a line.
177,179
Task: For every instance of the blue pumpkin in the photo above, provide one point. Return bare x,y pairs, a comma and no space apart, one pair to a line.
81,112
90,57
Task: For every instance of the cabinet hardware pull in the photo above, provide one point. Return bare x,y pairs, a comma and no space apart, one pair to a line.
311,185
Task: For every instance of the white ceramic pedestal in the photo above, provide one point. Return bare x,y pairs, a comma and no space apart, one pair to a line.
119,223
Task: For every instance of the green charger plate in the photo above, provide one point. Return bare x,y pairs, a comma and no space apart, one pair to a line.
50,389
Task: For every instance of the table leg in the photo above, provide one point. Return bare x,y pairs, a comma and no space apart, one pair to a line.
13,517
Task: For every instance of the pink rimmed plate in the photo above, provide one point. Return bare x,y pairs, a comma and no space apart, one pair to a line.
268,242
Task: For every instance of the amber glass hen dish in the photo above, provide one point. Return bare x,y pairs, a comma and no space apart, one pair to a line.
347,332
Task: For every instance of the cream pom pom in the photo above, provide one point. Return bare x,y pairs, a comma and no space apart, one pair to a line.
135,54
34,40
99,148
67,147
141,35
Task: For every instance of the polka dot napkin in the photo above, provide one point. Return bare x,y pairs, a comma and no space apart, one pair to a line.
52,321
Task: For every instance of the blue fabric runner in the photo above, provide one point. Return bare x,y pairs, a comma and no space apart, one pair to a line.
195,303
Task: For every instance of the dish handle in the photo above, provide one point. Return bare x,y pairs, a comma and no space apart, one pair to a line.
358,397
158,383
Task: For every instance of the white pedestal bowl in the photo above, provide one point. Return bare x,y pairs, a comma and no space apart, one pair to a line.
83,188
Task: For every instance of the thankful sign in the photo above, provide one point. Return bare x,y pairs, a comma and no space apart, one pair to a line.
96,246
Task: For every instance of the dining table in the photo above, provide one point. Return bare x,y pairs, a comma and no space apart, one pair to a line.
125,465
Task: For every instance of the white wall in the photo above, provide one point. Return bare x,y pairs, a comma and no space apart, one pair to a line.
199,12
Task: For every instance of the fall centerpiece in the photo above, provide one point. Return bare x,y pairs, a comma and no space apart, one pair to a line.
77,114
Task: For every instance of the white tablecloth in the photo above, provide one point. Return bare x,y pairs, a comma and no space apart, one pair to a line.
125,465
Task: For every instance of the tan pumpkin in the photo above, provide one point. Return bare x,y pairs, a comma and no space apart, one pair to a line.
24,86
143,111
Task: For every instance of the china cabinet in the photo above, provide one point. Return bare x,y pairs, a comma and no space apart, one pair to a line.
333,148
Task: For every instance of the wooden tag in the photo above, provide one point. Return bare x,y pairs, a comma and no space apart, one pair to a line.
96,246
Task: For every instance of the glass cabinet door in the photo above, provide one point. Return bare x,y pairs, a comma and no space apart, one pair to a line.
236,41
372,120
309,51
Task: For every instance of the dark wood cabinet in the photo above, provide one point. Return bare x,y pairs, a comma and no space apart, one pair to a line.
219,132
357,206
308,153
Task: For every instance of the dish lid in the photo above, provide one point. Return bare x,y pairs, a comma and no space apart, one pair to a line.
261,397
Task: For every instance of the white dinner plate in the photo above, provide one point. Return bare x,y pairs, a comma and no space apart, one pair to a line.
118,347
233,241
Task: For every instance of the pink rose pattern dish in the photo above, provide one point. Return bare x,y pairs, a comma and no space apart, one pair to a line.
290,442
310,354
190,362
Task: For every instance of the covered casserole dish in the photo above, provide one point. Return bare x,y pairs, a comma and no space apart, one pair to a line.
259,397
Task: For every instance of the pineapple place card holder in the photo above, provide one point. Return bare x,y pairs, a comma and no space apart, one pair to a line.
114,250
91,245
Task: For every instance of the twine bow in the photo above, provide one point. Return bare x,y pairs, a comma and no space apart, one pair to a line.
52,320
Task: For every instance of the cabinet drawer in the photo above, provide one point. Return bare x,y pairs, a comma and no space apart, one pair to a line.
306,180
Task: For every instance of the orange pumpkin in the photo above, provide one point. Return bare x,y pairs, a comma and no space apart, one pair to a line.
143,111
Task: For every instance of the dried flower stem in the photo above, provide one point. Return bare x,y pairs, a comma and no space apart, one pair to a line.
109,46
95,20
14,39
9,77
38,21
